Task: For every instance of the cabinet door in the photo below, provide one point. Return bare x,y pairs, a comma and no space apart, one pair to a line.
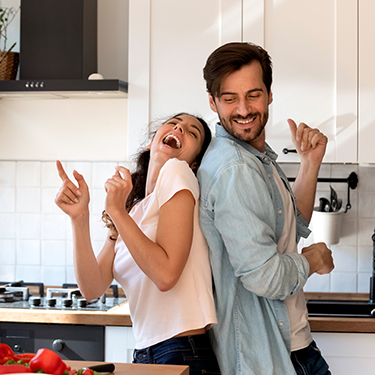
169,43
313,46
366,149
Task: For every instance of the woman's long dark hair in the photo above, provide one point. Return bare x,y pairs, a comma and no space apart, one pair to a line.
139,176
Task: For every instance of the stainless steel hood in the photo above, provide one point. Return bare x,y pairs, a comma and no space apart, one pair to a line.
58,51
67,88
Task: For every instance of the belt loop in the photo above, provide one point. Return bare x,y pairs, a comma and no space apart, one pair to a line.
193,346
149,355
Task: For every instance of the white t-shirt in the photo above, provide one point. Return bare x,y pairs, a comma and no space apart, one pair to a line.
300,334
157,315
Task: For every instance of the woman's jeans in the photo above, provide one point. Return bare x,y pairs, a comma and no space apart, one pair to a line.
309,361
193,351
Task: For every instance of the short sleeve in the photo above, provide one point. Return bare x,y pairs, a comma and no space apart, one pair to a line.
175,175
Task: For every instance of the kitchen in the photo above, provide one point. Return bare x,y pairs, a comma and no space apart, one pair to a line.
34,236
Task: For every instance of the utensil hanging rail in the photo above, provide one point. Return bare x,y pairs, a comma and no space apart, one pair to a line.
352,182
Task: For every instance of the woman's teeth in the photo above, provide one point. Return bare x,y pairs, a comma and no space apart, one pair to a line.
172,141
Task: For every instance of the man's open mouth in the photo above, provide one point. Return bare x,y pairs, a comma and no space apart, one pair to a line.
172,141
245,121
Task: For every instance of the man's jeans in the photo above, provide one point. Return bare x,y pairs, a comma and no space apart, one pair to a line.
309,361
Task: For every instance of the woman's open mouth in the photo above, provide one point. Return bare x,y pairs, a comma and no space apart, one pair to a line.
172,141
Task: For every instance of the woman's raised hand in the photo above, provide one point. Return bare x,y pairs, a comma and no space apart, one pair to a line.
72,200
118,188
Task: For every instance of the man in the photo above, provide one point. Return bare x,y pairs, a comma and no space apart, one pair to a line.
252,221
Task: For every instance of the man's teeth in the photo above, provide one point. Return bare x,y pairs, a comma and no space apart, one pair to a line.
245,121
172,141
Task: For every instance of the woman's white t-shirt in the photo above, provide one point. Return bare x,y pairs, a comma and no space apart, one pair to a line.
157,315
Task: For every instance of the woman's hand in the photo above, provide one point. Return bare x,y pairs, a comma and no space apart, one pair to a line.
72,200
118,188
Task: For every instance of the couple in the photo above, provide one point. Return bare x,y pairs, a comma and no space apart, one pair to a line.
249,217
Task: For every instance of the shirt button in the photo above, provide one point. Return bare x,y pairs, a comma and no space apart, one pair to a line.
281,324
280,212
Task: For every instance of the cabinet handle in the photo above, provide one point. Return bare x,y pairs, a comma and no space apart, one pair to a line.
287,150
58,345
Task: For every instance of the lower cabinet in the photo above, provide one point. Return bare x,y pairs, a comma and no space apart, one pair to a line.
347,353
119,344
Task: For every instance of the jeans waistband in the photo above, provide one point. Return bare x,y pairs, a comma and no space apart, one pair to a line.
194,342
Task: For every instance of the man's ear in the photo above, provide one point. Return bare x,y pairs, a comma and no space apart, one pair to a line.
211,100
270,97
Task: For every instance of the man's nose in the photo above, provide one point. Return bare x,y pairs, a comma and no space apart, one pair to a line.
243,107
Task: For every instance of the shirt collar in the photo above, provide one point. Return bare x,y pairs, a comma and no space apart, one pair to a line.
265,157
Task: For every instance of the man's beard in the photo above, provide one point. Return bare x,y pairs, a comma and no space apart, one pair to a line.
246,135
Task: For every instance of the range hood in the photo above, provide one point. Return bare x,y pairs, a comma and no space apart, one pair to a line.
67,88
58,52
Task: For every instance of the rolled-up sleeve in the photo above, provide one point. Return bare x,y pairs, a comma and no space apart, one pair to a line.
241,205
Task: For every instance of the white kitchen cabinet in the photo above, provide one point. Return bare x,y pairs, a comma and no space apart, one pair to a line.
347,353
366,150
119,344
313,45
169,42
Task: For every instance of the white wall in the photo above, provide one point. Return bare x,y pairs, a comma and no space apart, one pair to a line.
72,129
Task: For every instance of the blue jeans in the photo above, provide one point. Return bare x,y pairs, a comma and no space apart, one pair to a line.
193,351
309,361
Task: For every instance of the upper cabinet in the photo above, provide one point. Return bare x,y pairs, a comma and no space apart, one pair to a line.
313,46
366,149
318,48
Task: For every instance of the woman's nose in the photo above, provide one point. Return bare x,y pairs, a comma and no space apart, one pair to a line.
179,127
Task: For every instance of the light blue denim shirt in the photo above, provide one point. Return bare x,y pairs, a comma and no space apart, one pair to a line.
242,218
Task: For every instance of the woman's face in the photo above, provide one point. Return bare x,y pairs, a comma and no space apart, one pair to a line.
180,137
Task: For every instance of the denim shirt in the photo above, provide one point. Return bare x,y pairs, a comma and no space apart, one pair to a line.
242,218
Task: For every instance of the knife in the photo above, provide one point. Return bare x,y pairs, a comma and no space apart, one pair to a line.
106,367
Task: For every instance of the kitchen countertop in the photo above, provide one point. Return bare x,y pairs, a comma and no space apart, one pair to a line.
120,316
335,324
116,316
135,369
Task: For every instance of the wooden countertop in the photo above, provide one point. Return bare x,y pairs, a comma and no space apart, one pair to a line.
120,316
116,316
135,369
334,324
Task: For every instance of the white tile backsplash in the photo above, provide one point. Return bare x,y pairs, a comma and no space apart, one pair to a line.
7,173
7,252
36,236
28,252
7,199
28,173
28,199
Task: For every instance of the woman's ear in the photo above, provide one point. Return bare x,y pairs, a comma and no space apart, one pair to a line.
148,147
194,166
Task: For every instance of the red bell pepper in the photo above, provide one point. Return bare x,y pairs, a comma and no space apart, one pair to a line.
6,353
24,357
48,361
13,369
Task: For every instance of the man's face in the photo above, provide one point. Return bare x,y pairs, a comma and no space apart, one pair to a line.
242,105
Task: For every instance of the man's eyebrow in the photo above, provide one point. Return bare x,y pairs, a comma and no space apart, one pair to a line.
247,92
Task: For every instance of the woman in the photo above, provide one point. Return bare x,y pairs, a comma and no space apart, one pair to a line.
154,248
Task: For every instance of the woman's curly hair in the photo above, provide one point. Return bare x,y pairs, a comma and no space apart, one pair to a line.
139,176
